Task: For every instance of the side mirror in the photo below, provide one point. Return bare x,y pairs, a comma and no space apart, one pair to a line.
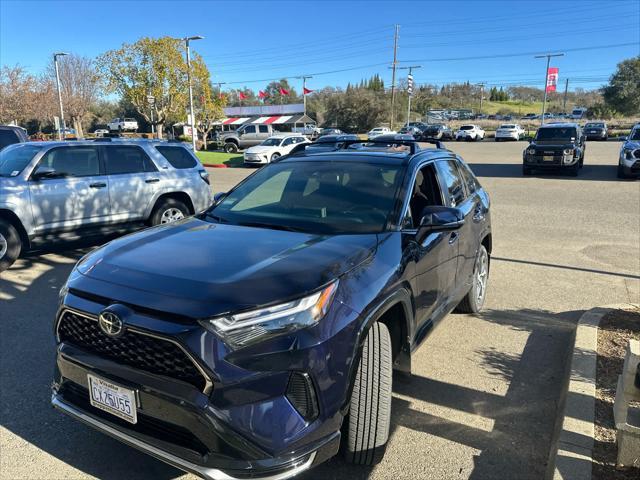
45,172
218,197
439,219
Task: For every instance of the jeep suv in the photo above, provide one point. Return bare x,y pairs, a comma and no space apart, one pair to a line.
53,190
556,146
272,342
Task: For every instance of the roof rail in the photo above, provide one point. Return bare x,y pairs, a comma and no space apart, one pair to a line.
389,140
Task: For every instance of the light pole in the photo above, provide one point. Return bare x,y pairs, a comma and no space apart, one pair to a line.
409,86
481,85
546,76
193,121
152,101
62,127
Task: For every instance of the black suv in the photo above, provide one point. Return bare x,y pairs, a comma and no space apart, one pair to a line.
438,131
556,146
271,342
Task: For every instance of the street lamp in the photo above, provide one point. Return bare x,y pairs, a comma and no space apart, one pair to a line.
193,122
61,126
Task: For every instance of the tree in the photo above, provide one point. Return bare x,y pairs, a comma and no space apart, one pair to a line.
80,86
150,66
17,89
274,95
623,91
208,106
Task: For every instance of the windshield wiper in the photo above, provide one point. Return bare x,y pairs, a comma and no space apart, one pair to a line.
271,226
215,218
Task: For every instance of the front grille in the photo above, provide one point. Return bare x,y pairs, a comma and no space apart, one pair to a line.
133,348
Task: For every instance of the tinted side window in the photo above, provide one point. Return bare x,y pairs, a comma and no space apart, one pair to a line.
178,157
263,128
468,177
127,159
73,161
8,137
451,182
250,129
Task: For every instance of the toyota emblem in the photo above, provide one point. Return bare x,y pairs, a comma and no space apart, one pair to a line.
111,324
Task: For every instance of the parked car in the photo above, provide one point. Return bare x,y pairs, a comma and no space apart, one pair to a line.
10,134
578,113
267,345
123,125
56,190
310,130
529,116
509,131
629,159
245,136
438,131
376,132
101,132
596,131
559,146
330,131
415,132
273,148
331,142
470,132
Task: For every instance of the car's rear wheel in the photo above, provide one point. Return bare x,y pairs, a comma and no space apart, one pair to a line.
230,147
10,245
475,297
169,210
367,426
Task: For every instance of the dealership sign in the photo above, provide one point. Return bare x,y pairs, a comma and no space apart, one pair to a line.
552,79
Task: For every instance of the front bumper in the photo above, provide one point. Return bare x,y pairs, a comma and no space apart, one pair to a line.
551,161
630,167
255,159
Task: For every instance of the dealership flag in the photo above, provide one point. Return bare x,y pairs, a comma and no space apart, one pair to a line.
306,90
242,96
283,91
261,94
552,79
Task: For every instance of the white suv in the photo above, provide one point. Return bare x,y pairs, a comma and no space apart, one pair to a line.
273,148
56,190
470,132
123,125
509,131
376,132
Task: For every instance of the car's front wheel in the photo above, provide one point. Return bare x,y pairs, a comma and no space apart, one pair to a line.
10,245
169,210
367,425
473,301
275,157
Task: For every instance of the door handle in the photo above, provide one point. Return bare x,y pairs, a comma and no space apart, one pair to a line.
152,180
453,238
98,185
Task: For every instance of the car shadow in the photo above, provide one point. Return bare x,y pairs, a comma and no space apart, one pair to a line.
511,170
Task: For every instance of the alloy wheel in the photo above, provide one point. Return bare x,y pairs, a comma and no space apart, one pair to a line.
171,215
482,274
4,246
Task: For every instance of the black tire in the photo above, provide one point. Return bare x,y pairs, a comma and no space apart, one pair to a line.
497,139
473,301
10,245
367,426
167,208
274,157
526,170
573,171
231,147
621,174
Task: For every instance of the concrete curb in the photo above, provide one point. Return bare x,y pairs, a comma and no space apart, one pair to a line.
573,458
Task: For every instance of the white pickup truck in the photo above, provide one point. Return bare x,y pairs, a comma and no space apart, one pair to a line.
123,125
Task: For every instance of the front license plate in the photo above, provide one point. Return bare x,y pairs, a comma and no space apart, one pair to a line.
547,158
113,398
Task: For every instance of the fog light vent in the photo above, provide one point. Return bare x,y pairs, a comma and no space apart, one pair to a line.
302,395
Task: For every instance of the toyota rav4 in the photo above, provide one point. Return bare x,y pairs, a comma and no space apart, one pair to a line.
264,341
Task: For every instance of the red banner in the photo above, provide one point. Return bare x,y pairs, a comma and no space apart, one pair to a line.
552,79
306,91
283,91
261,94
242,95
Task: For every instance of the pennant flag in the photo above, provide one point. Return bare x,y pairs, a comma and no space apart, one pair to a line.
221,95
241,95
306,91
262,94
552,79
283,91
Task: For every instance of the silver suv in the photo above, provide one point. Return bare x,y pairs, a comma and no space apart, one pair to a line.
52,190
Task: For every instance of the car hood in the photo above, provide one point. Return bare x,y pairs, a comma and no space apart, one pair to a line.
259,149
199,269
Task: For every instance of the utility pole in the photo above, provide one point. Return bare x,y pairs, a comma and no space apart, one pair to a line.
481,85
152,100
393,76
546,76
193,121
62,127
409,86
304,87
564,100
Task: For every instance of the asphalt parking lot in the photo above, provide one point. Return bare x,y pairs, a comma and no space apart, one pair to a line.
485,389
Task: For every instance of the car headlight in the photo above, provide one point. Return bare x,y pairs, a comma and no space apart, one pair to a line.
531,151
247,328
628,154
567,151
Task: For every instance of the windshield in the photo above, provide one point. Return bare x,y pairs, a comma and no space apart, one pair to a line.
594,125
316,197
14,158
564,133
271,142
635,134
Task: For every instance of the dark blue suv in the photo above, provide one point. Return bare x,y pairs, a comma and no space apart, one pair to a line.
258,339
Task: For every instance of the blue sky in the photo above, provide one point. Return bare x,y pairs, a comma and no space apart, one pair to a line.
248,42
